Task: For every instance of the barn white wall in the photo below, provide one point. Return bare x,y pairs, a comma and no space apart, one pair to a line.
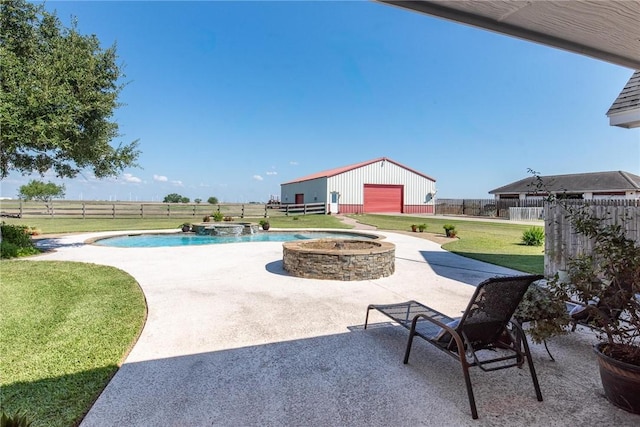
314,190
350,184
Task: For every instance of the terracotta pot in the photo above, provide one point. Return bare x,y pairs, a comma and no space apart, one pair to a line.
620,380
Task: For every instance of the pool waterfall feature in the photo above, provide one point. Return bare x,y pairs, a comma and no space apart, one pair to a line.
225,228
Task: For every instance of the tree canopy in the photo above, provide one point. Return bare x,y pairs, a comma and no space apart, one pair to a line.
59,90
38,190
212,200
175,198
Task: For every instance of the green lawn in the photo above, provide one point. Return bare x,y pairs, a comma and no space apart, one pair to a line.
493,242
66,327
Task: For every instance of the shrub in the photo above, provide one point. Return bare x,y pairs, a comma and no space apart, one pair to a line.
533,236
217,216
8,250
16,241
422,227
16,234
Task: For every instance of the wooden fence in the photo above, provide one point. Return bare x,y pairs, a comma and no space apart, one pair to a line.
526,214
562,243
304,209
122,210
482,207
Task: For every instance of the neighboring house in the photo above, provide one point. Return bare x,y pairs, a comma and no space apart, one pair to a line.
378,185
625,111
588,186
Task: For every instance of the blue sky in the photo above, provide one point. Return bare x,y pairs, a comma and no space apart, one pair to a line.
231,99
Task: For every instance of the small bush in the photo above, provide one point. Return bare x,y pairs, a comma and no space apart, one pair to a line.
217,216
16,241
534,236
16,234
8,250
422,227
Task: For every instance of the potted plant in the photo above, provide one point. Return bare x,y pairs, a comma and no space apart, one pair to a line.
422,227
605,282
217,216
414,227
264,224
186,227
450,230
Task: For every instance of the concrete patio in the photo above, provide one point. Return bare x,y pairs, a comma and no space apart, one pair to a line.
232,340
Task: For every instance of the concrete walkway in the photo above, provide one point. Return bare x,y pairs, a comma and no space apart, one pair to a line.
354,223
232,340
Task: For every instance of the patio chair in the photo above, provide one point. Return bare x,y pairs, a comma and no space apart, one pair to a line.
485,325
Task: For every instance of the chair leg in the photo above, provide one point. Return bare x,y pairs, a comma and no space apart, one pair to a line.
467,380
532,369
412,333
463,363
366,319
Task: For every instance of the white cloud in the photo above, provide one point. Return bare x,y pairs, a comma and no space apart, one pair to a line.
177,183
131,179
293,162
160,178
272,173
258,178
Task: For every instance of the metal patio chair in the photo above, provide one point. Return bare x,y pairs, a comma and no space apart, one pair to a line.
486,324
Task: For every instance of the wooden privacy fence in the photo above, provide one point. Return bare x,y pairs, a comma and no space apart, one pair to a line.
562,243
482,207
526,214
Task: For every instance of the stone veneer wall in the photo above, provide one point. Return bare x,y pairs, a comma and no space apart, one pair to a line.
339,264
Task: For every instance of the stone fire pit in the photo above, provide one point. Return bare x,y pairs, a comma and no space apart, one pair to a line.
339,259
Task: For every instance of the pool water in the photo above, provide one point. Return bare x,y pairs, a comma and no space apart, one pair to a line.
189,239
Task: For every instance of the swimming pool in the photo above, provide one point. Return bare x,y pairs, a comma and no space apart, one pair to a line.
189,239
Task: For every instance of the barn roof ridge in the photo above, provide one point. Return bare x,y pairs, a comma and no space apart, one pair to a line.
342,169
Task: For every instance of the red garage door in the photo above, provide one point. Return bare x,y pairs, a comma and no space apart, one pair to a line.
383,198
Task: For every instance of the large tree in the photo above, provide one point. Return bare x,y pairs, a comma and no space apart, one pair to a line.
59,90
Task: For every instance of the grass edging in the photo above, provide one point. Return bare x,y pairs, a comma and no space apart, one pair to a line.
66,329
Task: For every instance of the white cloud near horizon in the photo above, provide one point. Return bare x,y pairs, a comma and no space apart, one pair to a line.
294,163
177,183
131,179
160,178
258,178
272,173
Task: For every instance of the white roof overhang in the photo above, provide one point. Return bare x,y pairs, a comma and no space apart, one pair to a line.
606,30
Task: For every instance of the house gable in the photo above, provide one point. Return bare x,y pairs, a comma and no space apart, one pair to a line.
625,111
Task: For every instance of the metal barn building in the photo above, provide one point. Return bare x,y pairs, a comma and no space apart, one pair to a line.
379,185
